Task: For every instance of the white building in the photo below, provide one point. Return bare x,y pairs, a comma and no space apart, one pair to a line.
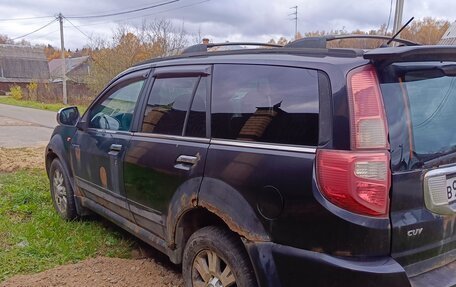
449,38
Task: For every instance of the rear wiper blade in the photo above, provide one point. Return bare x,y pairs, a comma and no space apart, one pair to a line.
449,70
440,157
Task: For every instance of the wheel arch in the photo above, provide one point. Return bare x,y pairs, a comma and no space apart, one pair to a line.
216,204
57,149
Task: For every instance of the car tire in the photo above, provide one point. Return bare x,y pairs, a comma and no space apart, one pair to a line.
214,256
61,191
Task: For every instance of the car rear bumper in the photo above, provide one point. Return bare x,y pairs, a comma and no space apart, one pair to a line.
444,276
278,265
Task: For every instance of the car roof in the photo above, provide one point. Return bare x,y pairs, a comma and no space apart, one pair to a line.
270,53
318,58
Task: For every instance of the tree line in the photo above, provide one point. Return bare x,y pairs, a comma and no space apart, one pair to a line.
426,31
131,45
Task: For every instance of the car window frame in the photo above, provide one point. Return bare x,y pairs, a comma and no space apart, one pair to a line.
111,88
178,71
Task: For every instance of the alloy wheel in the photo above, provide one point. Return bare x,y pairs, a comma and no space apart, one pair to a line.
60,192
209,270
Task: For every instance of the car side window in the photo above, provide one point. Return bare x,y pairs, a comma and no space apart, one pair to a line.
168,103
269,104
115,111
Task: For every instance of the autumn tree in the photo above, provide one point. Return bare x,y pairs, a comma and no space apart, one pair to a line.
282,41
427,31
85,51
131,45
53,53
4,39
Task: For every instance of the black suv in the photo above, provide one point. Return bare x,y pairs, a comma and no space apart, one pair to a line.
276,166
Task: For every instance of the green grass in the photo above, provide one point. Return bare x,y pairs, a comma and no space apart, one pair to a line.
36,105
34,238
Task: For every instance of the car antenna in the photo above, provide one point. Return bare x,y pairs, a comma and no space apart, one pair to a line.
398,32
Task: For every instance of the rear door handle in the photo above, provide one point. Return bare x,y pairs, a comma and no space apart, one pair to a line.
189,159
186,162
116,147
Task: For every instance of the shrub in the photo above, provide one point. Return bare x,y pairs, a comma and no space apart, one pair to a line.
16,92
32,88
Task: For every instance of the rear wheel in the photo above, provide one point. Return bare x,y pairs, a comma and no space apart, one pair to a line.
61,191
215,257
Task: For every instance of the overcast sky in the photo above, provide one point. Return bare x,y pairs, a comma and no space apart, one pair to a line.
219,20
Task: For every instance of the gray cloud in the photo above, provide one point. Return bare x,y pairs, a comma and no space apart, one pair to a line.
221,20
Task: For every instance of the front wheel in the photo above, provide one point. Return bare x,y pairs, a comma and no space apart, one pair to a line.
61,191
215,257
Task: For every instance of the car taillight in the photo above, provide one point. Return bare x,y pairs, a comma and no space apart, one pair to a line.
356,181
359,180
367,115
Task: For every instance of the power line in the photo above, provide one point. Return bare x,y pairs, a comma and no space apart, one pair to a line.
27,18
146,15
90,38
34,31
171,9
100,23
123,12
77,28
42,35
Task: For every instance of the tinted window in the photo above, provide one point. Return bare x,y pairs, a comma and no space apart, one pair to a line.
429,97
265,103
115,111
432,116
167,107
196,125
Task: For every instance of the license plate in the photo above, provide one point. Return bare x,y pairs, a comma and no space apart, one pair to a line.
451,189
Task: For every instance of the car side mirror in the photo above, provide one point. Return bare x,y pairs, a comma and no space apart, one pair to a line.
68,116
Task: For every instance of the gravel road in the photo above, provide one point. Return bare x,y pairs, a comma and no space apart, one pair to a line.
102,271
25,127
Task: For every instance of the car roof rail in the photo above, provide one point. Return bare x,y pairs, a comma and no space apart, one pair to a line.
199,48
321,42
337,52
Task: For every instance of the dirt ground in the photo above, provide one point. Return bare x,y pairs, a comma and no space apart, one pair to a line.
101,271
12,159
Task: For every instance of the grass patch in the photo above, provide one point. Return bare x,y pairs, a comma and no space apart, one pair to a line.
34,238
36,105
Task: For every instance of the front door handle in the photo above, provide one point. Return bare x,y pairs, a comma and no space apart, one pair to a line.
116,147
186,162
189,159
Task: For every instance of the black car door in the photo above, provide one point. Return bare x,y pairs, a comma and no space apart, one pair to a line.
165,158
99,145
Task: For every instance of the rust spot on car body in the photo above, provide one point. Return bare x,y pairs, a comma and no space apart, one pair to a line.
343,253
233,224
103,177
179,206
77,153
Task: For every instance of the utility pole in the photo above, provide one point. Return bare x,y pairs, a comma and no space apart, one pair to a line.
398,15
62,47
295,18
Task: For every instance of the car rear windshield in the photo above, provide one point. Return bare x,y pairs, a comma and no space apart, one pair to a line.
420,99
